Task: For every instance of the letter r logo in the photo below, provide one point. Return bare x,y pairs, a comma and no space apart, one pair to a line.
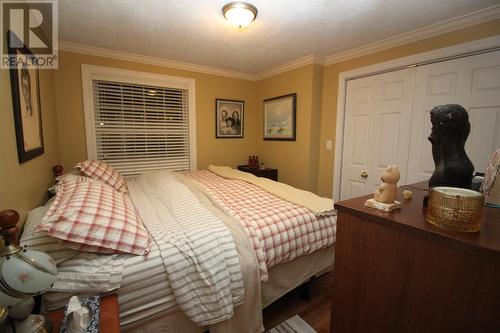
30,24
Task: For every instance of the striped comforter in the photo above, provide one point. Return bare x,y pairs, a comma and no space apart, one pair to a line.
196,249
280,231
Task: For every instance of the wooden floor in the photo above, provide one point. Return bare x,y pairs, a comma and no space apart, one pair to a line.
315,312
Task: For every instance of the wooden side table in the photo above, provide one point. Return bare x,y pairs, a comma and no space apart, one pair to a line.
266,173
109,318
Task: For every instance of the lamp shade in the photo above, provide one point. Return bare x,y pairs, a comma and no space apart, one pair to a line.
25,273
239,13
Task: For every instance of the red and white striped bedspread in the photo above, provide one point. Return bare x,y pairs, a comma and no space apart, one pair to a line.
280,231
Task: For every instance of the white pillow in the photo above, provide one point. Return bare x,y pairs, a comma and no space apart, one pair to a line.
39,240
77,272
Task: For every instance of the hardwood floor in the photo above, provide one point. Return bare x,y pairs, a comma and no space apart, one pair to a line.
315,312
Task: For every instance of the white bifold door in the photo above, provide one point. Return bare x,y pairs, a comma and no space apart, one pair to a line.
474,83
387,119
377,129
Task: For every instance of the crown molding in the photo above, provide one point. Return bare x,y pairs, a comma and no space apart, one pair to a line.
143,59
467,20
297,63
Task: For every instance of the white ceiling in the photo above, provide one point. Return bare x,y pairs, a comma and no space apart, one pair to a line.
194,31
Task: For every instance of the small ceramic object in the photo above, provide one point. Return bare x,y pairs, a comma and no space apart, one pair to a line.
385,195
407,195
33,324
386,192
23,309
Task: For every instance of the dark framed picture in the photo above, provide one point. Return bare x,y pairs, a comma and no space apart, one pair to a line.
229,118
25,86
279,118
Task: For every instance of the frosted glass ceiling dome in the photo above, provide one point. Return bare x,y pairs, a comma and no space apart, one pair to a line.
239,13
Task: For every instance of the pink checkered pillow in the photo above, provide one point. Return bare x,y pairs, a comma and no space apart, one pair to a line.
103,172
90,216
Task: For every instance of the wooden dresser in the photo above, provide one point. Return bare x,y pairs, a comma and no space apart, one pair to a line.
394,272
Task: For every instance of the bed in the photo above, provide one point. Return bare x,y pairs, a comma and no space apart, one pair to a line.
279,245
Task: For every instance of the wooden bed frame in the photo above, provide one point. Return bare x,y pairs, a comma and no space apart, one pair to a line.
8,226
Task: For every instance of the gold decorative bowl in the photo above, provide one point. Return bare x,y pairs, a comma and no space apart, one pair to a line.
455,208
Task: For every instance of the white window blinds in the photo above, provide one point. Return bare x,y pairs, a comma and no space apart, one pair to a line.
141,128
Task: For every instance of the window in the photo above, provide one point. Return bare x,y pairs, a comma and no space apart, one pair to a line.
139,122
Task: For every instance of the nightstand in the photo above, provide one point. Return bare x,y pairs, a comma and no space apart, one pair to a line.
267,172
109,318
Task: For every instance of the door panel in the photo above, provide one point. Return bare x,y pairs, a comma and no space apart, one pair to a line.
388,138
484,137
426,163
474,83
392,124
481,98
360,106
377,129
360,140
435,84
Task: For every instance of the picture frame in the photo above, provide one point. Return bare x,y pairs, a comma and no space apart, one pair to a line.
229,118
280,118
25,87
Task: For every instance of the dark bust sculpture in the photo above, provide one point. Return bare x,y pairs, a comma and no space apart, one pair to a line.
450,129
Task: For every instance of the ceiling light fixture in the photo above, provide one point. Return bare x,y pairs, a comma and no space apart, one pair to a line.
239,13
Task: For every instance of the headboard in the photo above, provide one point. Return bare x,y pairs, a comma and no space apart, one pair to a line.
57,170
8,226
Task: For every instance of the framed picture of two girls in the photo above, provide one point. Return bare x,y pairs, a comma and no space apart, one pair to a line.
229,118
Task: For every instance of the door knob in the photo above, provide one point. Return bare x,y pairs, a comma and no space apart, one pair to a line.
364,174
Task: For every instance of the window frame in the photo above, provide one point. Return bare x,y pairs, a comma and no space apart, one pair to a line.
93,72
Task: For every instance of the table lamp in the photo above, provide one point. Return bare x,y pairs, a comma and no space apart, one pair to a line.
24,273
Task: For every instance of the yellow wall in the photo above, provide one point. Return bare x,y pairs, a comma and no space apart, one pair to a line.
296,161
317,103
68,86
24,186
331,77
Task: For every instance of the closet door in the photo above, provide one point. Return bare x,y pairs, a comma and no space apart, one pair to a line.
435,84
474,83
377,129
360,108
481,98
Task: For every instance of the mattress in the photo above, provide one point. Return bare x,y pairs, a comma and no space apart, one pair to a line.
280,282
